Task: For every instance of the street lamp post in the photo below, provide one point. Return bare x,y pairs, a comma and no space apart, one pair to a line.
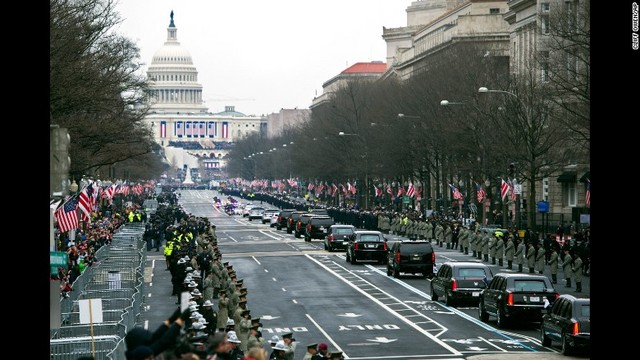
366,166
512,172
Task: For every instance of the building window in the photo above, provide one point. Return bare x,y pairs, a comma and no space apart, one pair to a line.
544,72
545,189
494,11
544,24
545,7
569,194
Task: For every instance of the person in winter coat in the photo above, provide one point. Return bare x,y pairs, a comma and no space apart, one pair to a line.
577,271
553,265
531,258
223,310
540,258
566,268
519,255
509,252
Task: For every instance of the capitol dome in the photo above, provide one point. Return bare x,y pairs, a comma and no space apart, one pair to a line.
173,78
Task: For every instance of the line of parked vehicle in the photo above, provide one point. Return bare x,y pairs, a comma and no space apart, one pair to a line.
509,297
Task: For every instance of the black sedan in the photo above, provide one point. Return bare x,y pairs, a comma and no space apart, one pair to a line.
367,245
458,281
567,322
338,237
511,297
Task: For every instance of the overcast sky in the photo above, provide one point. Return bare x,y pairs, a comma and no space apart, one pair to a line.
266,54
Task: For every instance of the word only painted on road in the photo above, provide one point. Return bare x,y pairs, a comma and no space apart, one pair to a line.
285,330
368,327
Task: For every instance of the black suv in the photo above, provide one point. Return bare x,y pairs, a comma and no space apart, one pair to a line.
317,227
516,296
569,323
301,226
367,245
283,218
411,257
460,281
293,220
338,237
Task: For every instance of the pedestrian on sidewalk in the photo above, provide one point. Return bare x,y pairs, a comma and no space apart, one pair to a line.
566,268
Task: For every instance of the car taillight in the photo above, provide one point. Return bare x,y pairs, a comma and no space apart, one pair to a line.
279,218
557,296
575,329
290,221
355,246
331,237
510,299
385,246
309,227
433,257
454,284
398,256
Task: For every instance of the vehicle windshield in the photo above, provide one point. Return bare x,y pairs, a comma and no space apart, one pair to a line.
472,273
370,237
529,285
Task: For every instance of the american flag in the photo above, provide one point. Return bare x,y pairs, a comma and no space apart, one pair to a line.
400,190
504,189
513,191
292,182
456,193
66,215
587,196
378,191
310,186
480,192
85,203
335,189
319,189
351,188
411,190
389,190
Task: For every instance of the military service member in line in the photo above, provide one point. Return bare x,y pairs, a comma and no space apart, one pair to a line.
439,234
500,248
290,345
531,258
492,249
464,240
448,234
539,258
485,246
577,271
519,254
509,252
553,265
566,268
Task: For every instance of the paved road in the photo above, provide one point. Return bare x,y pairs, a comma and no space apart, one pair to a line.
299,287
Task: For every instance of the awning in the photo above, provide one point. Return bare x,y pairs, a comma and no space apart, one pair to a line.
568,177
586,176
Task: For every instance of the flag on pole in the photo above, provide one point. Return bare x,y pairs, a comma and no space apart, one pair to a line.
335,189
389,190
456,193
411,190
587,196
400,191
480,192
85,203
378,191
513,190
504,189
66,215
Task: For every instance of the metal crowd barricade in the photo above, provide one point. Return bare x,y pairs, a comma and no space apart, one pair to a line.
73,348
117,279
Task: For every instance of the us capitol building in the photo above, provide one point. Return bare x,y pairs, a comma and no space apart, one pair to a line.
185,128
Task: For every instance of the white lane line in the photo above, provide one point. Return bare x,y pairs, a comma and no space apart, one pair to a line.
153,264
265,270
294,301
327,335
150,284
256,260
283,289
271,236
391,311
149,295
229,236
274,279
146,324
492,344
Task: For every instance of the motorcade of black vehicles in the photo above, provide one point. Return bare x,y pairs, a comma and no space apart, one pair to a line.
460,281
283,218
367,245
317,227
256,213
568,322
337,237
516,298
292,221
319,211
411,256
267,214
301,226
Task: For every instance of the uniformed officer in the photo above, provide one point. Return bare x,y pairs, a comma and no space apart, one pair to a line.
243,330
519,254
448,235
509,252
312,349
577,271
439,234
290,346
223,310
500,247
553,265
464,241
566,267
540,258
492,249
531,258
486,238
